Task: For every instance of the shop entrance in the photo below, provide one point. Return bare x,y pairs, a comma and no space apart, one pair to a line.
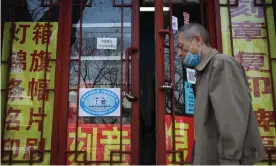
159,136
104,53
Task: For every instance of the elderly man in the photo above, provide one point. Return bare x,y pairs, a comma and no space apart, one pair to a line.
226,128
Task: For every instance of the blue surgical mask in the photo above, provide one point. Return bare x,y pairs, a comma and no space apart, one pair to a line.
192,59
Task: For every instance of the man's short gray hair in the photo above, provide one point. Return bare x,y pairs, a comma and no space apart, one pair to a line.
192,29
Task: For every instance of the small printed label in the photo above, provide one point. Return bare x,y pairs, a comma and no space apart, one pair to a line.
191,75
107,43
174,23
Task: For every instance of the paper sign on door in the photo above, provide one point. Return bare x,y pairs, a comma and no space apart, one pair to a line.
107,43
191,75
174,23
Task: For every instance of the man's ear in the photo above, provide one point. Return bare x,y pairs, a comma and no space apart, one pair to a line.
198,40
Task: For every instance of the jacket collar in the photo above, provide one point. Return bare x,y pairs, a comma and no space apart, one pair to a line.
206,59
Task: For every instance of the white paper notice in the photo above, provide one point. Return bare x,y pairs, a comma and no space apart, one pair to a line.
174,23
107,43
191,75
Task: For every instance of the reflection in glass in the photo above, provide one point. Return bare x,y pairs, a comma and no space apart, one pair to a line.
194,10
100,47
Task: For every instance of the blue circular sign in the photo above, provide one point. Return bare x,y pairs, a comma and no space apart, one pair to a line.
99,102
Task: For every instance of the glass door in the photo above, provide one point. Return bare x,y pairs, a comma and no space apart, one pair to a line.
174,96
99,110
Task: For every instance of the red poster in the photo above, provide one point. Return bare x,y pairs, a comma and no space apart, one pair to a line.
96,141
184,137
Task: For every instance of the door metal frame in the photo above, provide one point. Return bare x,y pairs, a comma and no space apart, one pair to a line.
135,118
160,81
59,131
60,119
217,27
213,9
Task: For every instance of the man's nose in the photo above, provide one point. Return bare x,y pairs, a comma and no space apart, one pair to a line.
180,53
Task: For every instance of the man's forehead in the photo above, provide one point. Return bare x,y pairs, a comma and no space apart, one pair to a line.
182,38
182,42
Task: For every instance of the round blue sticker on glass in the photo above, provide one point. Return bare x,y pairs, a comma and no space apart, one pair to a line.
99,102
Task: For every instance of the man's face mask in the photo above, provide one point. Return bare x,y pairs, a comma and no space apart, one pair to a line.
192,59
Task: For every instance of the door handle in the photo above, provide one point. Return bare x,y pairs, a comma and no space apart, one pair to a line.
166,87
171,54
128,52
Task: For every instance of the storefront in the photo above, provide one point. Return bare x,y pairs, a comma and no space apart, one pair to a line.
98,82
